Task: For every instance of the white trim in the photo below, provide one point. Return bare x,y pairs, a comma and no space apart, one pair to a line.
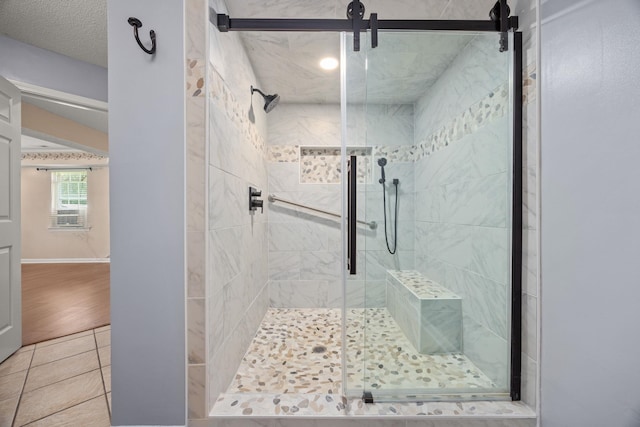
60,97
60,166
40,135
539,77
65,260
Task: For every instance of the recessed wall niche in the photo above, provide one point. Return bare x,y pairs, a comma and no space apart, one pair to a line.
322,165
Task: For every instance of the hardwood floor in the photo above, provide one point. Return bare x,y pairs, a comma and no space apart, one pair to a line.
62,299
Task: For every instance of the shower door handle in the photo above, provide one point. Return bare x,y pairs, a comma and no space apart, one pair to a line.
352,211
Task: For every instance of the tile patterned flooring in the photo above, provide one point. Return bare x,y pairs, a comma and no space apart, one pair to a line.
282,357
281,374
60,382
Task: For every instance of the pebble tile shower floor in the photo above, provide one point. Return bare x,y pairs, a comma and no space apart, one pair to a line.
280,371
280,359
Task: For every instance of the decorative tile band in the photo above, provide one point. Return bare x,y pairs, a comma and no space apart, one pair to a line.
222,96
61,156
195,77
492,107
283,153
323,165
393,153
396,153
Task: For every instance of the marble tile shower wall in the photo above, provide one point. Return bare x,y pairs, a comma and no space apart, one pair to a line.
237,274
462,239
195,66
305,249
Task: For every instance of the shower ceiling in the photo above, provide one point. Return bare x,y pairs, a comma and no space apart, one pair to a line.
288,63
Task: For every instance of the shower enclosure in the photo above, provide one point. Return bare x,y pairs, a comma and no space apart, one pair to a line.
432,114
413,292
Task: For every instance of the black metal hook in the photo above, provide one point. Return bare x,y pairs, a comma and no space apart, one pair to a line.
136,23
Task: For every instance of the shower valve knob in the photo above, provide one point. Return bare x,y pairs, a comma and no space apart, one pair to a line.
254,202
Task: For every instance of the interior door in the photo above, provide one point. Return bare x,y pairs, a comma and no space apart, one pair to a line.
10,298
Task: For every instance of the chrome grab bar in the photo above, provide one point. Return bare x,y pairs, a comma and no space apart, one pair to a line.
273,198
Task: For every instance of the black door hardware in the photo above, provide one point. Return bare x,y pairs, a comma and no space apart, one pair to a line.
136,23
352,231
254,202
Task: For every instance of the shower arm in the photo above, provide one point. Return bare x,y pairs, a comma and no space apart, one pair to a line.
272,198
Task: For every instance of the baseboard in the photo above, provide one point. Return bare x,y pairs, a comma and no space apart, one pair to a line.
65,260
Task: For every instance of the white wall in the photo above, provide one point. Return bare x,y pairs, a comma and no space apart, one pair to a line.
148,225
39,241
590,211
305,249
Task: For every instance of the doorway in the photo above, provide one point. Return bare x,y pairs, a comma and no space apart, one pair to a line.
64,215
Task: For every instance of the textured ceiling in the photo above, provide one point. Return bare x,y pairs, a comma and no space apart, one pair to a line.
75,28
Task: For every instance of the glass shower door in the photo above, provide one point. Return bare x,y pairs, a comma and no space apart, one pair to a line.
428,316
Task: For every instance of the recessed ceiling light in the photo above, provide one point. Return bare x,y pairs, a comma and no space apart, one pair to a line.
329,63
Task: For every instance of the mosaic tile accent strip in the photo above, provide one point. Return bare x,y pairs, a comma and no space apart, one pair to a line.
195,77
492,107
322,165
396,153
283,153
332,406
290,153
61,156
223,97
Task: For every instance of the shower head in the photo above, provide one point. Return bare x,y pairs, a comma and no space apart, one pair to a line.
270,101
382,162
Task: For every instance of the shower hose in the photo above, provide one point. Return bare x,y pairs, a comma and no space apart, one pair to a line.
395,222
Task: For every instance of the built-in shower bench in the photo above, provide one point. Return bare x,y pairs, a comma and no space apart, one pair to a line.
429,314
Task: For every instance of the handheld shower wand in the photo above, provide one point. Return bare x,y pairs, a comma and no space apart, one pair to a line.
382,162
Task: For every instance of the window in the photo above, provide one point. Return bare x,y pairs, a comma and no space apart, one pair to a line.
68,199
